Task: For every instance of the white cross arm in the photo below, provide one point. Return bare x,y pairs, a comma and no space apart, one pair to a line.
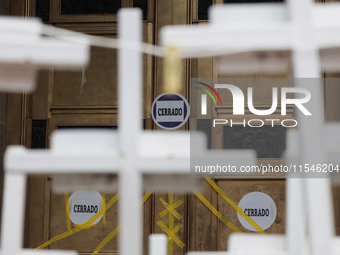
272,61
222,38
257,244
263,28
273,244
327,24
255,62
97,152
19,159
323,15
326,16
217,39
44,53
164,152
83,151
23,51
78,151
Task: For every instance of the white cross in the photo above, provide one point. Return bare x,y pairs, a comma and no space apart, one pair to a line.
22,52
303,28
131,153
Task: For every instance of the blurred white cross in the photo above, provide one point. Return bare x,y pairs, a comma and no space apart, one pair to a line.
252,35
135,156
23,51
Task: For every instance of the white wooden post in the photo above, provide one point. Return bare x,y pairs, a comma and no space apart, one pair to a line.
14,204
306,64
22,52
158,244
129,127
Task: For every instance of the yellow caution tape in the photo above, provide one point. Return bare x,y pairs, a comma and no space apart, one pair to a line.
171,233
166,211
175,230
106,240
84,225
104,209
217,213
80,227
61,236
68,218
171,225
115,231
171,209
234,205
146,196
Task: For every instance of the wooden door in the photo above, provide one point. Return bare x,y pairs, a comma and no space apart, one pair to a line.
88,98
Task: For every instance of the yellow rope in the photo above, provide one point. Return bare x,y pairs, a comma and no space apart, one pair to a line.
217,213
80,227
68,218
234,205
171,209
104,209
171,235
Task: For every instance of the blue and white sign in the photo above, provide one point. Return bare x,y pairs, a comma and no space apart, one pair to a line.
170,111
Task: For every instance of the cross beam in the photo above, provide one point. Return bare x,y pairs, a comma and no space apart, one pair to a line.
259,27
